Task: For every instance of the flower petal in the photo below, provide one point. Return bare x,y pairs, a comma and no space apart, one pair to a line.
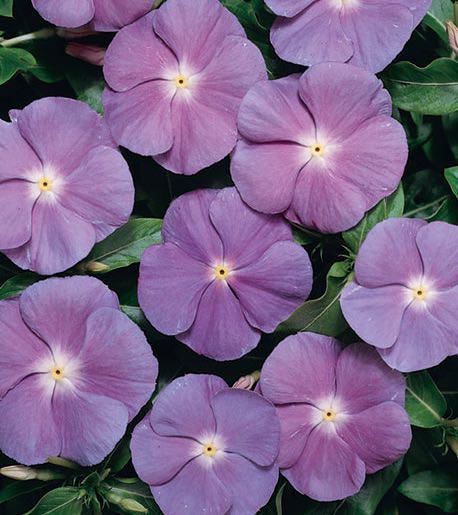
28,432
247,425
157,459
301,369
57,309
183,407
380,435
389,254
279,281
125,66
375,314
170,287
220,330
443,307
116,360
111,15
374,384
328,469
65,13
246,234
187,225
417,7
140,119
288,8
21,352
100,191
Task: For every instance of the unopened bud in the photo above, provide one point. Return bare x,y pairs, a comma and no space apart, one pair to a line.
93,267
452,443
80,32
452,32
125,503
247,382
22,473
91,54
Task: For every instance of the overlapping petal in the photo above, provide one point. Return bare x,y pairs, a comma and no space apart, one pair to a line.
66,13
111,15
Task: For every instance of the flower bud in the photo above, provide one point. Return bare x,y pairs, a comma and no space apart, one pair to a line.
125,503
247,382
22,473
93,267
90,53
80,32
452,32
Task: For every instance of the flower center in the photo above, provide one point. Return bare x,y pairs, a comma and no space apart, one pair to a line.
317,150
209,449
419,292
45,184
221,272
329,415
57,373
181,82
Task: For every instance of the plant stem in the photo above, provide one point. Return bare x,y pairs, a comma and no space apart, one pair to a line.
426,206
31,36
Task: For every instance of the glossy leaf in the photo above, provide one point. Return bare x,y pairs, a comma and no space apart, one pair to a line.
17,284
451,174
14,60
67,500
425,404
6,8
440,12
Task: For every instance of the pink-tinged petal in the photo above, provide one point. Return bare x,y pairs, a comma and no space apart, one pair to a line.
192,30
379,435
373,158
374,384
423,342
57,309
389,254
444,306
341,97
137,55
417,7
157,459
324,201
100,191
272,111
16,201
140,119
328,469
375,314
246,234
325,38
273,286
28,432
90,425
187,225
220,330
65,13
18,161
378,31
247,425
255,168
301,369
60,238
251,486
72,130
438,246
195,489
183,407
21,352
170,287
288,8
111,15
116,360
297,422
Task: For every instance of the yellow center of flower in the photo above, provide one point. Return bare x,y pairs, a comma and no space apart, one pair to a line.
57,373
209,449
317,150
45,184
329,415
181,82
419,292
221,272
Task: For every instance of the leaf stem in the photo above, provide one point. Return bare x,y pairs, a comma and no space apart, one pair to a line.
426,206
31,36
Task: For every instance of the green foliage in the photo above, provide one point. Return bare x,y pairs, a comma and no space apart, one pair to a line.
6,8
17,284
425,403
67,500
14,60
451,174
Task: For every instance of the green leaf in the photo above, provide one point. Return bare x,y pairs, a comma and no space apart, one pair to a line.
451,174
425,404
87,82
119,458
438,14
126,491
125,246
67,500
389,207
447,212
14,60
322,315
6,8
431,90
17,284
19,488
435,487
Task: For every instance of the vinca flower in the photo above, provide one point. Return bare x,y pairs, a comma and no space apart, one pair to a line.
223,274
341,413
208,448
404,297
103,15
176,78
322,148
74,370
63,185
365,33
